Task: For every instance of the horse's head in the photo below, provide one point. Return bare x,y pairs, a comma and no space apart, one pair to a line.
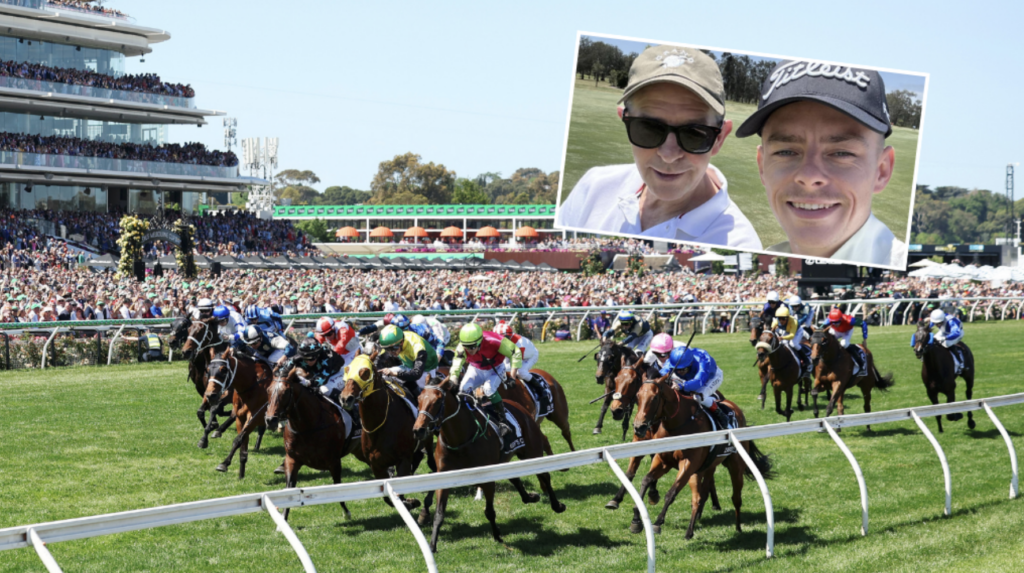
922,339
817,343
767,343
220,374
282,394
626,386
650,404
608,359
200,337
179,331
432,406
361,380
756,326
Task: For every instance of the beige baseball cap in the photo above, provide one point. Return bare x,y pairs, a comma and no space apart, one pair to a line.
688,67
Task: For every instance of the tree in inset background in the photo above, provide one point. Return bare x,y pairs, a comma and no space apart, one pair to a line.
344,195
316,229
406,180
469,192
296,184
904,108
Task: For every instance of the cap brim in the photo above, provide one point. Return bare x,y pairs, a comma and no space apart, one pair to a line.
713,103
755,123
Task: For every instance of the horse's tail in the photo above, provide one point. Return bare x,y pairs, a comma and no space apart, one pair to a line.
883,383
762,461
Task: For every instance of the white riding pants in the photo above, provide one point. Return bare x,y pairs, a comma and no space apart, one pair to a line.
489,380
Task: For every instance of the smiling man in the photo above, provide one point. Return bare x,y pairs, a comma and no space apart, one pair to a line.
674,117
823,157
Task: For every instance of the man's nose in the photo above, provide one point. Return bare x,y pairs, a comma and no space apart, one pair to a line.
811,173
670,151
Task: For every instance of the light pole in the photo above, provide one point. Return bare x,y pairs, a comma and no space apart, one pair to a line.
1009,195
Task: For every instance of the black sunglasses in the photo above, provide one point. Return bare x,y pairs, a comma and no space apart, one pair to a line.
651,133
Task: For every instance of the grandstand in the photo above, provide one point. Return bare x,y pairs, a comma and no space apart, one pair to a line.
74,146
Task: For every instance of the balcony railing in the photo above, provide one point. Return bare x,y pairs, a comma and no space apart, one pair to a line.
102,93
40,4
106,164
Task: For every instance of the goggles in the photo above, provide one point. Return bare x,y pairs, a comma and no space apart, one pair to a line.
651,133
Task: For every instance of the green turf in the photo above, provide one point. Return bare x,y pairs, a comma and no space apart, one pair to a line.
79,442
596,137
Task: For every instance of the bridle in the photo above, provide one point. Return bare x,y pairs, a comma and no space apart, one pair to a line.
435,422
226,385
200,344
661,407
627,368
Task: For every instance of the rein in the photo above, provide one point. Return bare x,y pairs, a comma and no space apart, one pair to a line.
437,422
226,385
663,417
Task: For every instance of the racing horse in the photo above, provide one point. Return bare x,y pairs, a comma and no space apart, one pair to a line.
609,360
318,433
937,371
833,370
515,390
468,440
783,373
761,362
250,380
199,342
679,414
387,437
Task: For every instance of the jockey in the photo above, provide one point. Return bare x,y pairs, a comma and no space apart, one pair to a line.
791,333
339,336
419,360
439,335
232,325
268,321
841,325
273,350
694,370
370,329
771,305
485,352
324,368
803,314
950,332
638,331
661,346
204,309
537,384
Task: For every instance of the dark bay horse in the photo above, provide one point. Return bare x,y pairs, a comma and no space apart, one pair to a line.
516,391
387,438
201,341
467,440
680,414
784,373
938,374
250,381
833,370
761,362
317,435
609,361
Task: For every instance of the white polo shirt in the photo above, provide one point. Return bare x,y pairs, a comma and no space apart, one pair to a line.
873,244
607,200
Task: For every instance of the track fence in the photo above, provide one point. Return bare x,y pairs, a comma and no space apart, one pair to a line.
39,535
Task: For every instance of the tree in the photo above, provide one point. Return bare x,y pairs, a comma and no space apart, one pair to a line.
469,192
407,177
316,229
299,195
344,195
295,177
904,108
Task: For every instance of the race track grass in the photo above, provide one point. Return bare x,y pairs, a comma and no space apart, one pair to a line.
79,442
597,137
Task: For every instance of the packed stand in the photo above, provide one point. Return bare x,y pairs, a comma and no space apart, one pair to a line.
141,83
240,233
554,244
86,6
189,153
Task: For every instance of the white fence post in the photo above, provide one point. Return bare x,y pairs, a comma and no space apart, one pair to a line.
47,346
768,510
857,472
43,552
286,529
644,516
675,325
1014,484
113,341
579,329
942,460
428,555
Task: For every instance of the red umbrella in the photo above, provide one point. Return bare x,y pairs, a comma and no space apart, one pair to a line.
451,232
487,232
416,232
527,232
382,232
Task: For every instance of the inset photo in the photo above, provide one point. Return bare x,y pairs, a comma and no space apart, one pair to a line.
746,151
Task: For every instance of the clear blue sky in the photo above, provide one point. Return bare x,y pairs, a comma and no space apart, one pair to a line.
485,86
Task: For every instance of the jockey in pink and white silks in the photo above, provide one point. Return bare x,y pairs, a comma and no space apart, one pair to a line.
661,346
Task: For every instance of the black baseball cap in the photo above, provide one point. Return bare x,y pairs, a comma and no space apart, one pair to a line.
857,92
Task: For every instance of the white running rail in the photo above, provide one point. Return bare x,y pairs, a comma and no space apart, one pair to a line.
39,535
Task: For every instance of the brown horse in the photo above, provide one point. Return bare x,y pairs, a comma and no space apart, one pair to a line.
200,342
387,439
250,379
938,374
679,415
783,373
761,362
515,390
468,440
833,370
318,434
609,360
627,384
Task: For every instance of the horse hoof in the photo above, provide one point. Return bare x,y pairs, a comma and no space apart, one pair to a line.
636,527
716,507
423,518
612,505
971,424
201,444
800,407
222,468
216,435
560,508
279,469
654,497
348,516
597,431
656,528
955,417
761,397
531,498
412,504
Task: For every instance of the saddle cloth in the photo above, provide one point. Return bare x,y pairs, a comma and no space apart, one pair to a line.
721,450
550,406
403,394
519,441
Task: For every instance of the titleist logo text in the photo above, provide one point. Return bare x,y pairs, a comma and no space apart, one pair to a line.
797,70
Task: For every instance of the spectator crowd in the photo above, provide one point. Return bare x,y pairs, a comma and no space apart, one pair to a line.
189,153
141,83
89,6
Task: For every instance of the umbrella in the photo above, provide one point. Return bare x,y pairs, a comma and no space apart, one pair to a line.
924,263
511,265
168,261
347,232
226,261
381,232
546,268
708,257
451,232
528,232
202,262
527,266
416,232
487,233
107,261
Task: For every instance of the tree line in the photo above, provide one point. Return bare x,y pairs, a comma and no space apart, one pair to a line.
949,215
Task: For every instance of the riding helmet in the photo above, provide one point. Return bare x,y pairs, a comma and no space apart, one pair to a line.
471,335
391,336
221,312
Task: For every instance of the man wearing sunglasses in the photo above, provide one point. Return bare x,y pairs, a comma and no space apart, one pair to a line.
674,117
823,157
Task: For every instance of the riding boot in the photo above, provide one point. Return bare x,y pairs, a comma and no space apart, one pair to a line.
540,389
720,416
504,428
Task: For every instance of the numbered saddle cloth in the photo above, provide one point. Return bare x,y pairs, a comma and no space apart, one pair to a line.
548,403
720,450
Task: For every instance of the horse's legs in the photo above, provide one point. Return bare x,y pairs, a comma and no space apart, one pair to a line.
815,396
201,412
634,464
950,398
428,499
204,441
442,503
657,470
777,392
546,445
243,457
835,400
969,383
259,437
220,429
291,477
933,395
764,385
405,468
336,476
714,493
604,410
685,475
489,511
545,486
867,403
735,465
789,402
524,495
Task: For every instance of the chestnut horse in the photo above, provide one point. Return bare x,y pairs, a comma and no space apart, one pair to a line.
833,370
200,342
468,440
609,360
938,374
784,373
318,434
627,384
250,380
761,362
515,390
680,414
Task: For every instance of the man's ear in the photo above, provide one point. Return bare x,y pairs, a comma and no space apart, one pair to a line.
760,163
726,130
886,163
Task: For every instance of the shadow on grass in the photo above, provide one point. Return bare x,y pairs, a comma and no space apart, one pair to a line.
306,475
991,433
531,537
892,432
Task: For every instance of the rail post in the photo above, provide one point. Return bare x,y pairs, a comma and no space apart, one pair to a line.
113,341
675,324
579,329
1003,313
286,529
942,460
768,510
7,350
43,552
735,317
47,346
644,516
704,323
428,555
1014,483
544,327
856,470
